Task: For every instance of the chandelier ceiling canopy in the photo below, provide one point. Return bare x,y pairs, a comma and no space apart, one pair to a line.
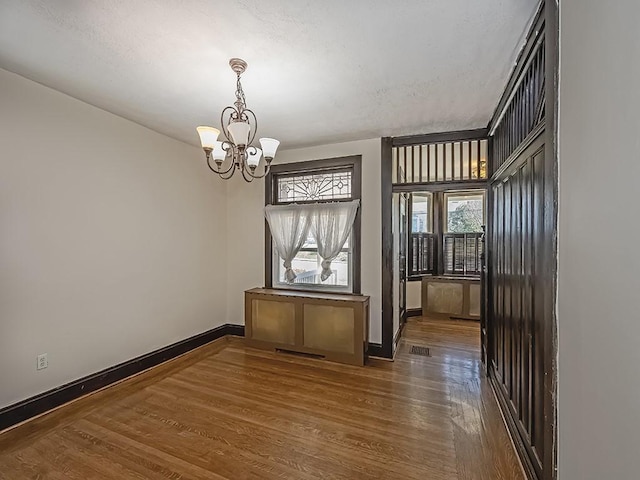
239,127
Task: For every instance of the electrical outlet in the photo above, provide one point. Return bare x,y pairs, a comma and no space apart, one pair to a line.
43,361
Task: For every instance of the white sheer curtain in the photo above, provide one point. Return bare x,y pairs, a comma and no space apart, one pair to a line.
329,223
331,226
289,225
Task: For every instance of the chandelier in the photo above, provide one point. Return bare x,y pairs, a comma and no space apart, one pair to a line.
239,126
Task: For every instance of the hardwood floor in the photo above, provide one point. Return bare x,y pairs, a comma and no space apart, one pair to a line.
229,412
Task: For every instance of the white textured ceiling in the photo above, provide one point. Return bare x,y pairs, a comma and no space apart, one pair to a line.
320,71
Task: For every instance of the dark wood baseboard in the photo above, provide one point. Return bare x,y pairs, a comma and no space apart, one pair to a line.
31,407
235,330
414,312
376,350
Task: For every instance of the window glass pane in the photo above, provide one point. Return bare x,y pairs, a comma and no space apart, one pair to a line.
329,185
421,213
465,212
306,265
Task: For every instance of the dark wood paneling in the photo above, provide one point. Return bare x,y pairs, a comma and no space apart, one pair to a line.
31,407
521,248
520,243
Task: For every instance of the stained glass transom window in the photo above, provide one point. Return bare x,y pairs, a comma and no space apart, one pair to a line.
314,187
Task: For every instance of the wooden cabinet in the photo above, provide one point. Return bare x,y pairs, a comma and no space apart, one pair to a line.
332,326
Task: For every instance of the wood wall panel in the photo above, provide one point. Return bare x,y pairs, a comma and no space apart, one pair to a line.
519,244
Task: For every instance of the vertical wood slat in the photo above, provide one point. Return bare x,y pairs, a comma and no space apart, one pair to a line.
404,163
539,182
519,118
526,296
438,162
428,162
517,292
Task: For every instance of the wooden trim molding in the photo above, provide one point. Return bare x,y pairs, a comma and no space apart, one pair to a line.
414,312
38,404
375,350
477,134
387,247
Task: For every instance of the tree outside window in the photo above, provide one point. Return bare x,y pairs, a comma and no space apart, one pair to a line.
465,212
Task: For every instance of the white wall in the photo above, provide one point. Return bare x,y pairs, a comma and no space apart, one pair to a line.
599,227
414,294
245,226
110,239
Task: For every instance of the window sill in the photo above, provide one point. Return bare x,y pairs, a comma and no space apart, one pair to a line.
315,289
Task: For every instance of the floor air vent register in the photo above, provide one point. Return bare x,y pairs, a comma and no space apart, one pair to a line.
422,351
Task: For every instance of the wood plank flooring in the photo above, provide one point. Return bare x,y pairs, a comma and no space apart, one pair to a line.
230,412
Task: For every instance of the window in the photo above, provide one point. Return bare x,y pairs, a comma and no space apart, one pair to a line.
321,181
307,266
421,216
445,234
462,240
421,238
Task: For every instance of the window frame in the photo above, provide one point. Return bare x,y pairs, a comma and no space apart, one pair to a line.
353,163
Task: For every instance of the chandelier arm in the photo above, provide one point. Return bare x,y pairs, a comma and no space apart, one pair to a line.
217,169
210,167
250,147
246,174
231,169
267,167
